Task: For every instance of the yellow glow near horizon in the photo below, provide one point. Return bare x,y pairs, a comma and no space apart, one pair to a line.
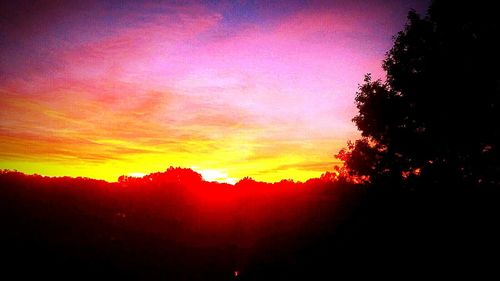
215,175
269,170
136,175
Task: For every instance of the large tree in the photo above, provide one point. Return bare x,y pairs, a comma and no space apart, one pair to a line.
436,116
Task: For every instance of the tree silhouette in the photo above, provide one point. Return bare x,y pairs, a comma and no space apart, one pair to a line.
436,117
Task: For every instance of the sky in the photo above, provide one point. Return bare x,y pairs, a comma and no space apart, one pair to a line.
229,88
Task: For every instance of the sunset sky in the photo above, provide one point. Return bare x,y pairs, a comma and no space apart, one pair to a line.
229,88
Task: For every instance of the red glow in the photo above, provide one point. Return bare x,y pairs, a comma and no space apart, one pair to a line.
177,213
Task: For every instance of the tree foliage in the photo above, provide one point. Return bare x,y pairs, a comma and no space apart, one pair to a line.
436,116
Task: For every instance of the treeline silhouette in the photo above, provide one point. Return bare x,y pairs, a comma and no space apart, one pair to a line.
175,226
171,225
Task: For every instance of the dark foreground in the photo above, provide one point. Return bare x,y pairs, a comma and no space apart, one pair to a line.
174,226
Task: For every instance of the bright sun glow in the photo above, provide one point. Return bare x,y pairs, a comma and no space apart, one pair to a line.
215,175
